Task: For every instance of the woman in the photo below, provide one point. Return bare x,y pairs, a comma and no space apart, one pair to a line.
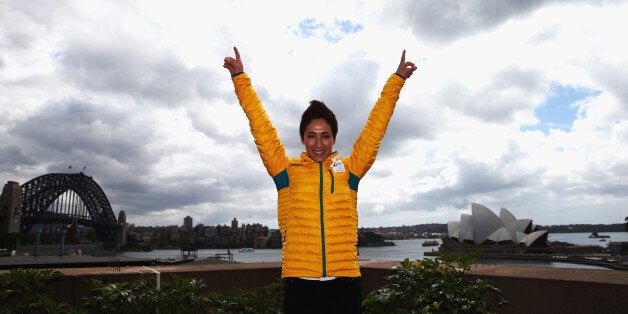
317,194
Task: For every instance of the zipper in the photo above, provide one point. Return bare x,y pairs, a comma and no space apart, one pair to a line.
331,173
322,218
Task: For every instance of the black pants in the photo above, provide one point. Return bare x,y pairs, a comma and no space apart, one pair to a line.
341,295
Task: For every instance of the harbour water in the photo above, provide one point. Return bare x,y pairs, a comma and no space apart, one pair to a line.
411,249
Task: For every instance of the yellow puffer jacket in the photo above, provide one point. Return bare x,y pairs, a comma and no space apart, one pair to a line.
317,201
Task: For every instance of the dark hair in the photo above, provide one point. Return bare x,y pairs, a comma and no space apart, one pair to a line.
318,110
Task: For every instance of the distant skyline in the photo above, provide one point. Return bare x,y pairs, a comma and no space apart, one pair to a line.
516,104
240,223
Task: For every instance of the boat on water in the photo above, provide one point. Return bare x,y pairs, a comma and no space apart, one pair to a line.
594,234
246,250
430,243
171,261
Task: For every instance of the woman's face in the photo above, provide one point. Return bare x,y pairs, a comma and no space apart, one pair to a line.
318,140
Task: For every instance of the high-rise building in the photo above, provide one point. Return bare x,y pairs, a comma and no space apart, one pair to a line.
234,224
122,231
187,224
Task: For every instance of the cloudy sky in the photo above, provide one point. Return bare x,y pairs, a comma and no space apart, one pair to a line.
516,104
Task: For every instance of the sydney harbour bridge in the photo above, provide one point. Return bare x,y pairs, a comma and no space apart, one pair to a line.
62,199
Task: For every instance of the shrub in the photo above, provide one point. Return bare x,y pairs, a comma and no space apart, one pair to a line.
179,295
121,297
436,285
267,299
24,290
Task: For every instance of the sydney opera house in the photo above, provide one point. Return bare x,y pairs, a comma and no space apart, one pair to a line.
505,236
483,227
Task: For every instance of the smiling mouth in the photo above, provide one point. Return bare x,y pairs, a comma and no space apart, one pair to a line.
319,153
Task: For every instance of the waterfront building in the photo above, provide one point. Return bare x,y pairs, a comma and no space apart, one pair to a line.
485,227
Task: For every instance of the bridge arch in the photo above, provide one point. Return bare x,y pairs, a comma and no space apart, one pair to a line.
87,204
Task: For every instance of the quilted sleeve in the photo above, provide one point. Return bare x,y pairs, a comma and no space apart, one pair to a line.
268,144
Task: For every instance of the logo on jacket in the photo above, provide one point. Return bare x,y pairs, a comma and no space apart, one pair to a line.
337,165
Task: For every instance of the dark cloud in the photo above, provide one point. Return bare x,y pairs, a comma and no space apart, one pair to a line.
482,178
613,77
12,157
77,127
288,118
167,195
502,179
125,66
408,123
609,178
509,91
448,20
24,23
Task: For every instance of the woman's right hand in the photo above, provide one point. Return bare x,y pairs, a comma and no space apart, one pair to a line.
405,68
234,65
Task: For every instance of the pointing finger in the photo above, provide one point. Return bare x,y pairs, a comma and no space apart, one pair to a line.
237,53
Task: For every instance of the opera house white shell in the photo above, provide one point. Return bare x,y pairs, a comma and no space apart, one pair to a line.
484,227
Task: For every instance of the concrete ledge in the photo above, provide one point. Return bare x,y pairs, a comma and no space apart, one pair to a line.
529,289
559,290
72,287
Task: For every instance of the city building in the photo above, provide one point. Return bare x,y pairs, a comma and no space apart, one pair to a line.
122,230
187,224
